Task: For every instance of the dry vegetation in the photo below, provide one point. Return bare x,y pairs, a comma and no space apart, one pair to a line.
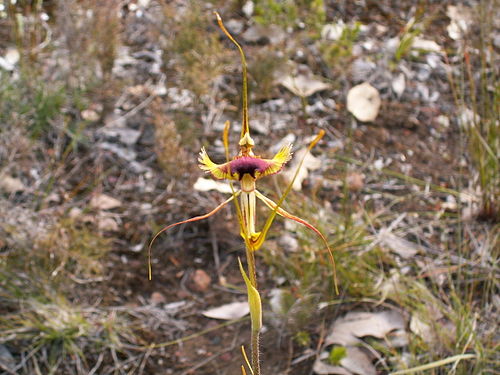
104,106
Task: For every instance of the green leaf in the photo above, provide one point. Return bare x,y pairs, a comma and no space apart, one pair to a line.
336,355
253,301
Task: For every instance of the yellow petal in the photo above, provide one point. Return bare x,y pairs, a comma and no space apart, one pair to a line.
277,162
219,171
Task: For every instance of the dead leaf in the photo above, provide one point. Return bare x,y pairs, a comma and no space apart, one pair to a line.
422,329
104,202
460,20
425,44
205,184
388,286
358,362
233,310
346,331
400,246
323,368
303,85
363,101
310,163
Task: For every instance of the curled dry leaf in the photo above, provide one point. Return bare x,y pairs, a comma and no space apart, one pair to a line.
356,361
346,331
323,368
363,101
233,310
303,85
400,246
427,45
310,163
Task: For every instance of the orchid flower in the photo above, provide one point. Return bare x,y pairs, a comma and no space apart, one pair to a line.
246,168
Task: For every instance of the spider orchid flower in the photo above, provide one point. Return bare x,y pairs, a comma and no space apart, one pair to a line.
246,168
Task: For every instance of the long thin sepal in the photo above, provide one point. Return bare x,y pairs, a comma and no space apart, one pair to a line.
244,128
196,218
225,139
280,211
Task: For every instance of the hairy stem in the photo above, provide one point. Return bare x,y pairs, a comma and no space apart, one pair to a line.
255,333
255,352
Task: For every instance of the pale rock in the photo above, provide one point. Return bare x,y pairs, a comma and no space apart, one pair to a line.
10,59
206,184
11,185
363,101
333,31
399,85
201,280
248,8
104,202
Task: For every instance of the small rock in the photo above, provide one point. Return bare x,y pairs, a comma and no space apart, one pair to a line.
355,181
399,85
248,8
124,135
107,224
9,61
234,26
157,298
90,115
201,280
289,242
333,31
104,202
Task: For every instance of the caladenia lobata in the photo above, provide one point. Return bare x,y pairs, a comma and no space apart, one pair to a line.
247,168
